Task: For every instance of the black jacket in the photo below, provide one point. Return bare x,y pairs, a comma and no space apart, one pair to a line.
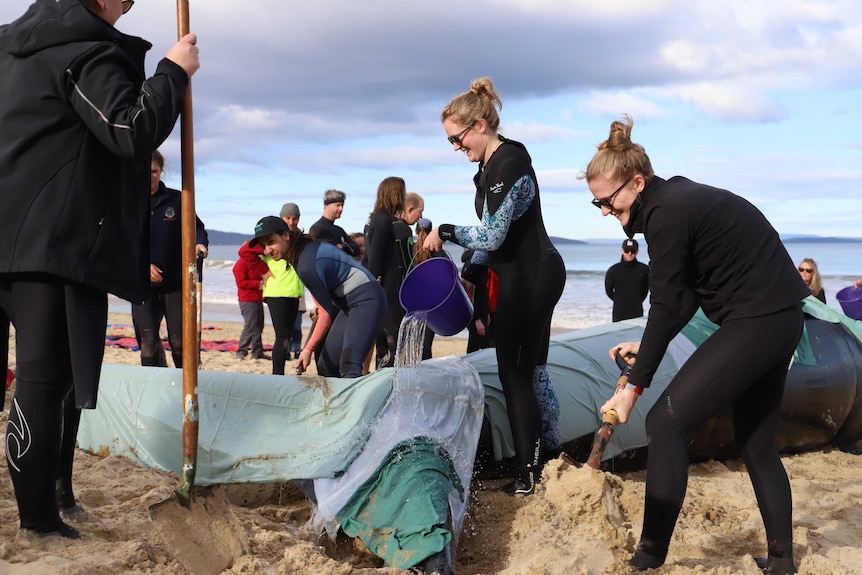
325,230
166,237
707,248
78,124
627,284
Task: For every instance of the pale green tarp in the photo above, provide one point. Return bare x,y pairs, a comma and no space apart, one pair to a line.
253,428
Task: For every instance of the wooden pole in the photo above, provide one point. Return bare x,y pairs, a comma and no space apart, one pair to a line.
189,286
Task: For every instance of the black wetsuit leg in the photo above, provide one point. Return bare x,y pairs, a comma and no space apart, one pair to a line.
172,303
283,312
36,306
743,364
525,305
147,318
71,421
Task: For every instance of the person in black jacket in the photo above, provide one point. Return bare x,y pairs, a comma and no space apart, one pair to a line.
166,272
325,230
78,122
711,249
627,283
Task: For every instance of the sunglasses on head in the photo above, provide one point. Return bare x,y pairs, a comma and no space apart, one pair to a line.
806,270
127,5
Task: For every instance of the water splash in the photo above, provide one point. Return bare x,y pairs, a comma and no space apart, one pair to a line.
411,337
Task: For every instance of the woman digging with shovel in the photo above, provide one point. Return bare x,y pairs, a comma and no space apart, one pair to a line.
711,249
78,122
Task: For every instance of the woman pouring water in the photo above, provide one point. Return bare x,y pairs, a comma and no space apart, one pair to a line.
511,238
712,249
351,304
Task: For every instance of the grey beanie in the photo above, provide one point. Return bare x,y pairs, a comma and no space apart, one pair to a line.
289,209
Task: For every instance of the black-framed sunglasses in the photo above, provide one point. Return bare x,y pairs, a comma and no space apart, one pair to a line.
608,202
456,140
127,5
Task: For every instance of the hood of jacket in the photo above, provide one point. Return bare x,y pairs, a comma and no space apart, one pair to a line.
249,253
53,23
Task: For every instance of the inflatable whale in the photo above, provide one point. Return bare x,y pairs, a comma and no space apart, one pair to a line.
391,454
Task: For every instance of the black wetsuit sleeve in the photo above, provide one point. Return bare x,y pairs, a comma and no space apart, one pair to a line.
609,283
673,300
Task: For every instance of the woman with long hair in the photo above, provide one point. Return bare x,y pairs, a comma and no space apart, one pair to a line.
811,276
382,260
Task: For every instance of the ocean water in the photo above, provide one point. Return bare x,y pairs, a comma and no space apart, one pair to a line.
583,303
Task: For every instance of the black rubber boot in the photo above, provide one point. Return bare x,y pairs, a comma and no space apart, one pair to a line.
647,557
773,565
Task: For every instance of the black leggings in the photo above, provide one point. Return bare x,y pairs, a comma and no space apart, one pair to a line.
525,305
147,318
283,311
743,364
40,421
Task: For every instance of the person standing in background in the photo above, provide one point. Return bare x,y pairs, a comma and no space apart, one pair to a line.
627,283
811,276
248,272
477,281
282,291
414,206
79,120
382,260
359,238
325,230
165,299
512,238
290,214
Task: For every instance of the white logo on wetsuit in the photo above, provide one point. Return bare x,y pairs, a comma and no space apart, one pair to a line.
18,439
497,188
170,213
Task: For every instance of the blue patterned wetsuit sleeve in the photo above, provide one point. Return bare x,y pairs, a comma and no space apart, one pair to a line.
490,234
480,258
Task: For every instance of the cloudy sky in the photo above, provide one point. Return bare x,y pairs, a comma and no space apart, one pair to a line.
759,97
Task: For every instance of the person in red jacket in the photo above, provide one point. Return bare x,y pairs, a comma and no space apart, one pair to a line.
248,271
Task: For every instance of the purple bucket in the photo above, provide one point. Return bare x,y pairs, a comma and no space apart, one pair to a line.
850,299
433,288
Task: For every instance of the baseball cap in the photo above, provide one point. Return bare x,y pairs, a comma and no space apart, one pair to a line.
266,226
630,246
288,210
334,197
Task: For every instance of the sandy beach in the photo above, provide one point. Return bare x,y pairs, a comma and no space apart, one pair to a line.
580,521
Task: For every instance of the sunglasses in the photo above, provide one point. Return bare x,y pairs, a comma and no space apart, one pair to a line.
456,140
127,5
806,270
608,202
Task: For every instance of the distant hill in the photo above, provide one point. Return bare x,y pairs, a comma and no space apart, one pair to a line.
218,238
560,241
818,240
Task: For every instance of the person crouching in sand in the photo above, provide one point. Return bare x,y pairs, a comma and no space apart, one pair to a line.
351,303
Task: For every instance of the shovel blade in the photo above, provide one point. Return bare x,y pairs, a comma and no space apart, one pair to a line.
206,537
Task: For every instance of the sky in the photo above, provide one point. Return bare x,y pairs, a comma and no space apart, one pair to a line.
294,98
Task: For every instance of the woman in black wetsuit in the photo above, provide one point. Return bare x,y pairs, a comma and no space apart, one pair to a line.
511,238
712,249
